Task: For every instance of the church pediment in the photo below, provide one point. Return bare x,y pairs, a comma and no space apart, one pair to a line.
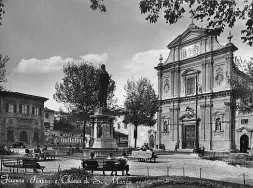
189,35
244,128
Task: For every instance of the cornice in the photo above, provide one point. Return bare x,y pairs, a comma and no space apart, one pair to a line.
197,58
200,97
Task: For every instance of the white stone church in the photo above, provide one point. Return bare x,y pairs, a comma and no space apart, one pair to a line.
196,107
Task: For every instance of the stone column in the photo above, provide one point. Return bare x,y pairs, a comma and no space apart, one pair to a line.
159,114
212,74
203,75
209,124
172,82
203,122
159,125
176,82
177,114
172,123
208,76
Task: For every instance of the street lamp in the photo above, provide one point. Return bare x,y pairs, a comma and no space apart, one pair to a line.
197,119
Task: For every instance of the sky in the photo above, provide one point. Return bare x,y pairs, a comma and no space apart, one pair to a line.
40,36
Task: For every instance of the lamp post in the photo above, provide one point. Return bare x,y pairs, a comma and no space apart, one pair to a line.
197,120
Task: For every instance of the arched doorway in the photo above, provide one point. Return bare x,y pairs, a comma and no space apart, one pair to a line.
23,136
151,141
244,143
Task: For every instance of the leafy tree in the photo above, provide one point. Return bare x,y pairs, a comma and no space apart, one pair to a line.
63,124
217,14
79,89
242,85
1,10
3,62
140,103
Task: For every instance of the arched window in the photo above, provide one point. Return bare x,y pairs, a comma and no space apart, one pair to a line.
218,124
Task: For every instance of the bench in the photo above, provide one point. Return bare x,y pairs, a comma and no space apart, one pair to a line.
104,165
20,162
49,154
143,156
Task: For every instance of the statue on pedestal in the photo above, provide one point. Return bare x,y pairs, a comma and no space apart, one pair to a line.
103,86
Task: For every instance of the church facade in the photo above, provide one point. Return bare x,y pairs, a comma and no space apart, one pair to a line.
196,107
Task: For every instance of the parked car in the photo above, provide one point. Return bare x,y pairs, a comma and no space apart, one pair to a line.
19,144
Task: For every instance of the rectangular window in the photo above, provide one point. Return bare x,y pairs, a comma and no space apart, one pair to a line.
15,108
40,111
118,125
6,107
33,110
46,115
24,109
27,109
244,121
11,108
125,126
190,85
20,108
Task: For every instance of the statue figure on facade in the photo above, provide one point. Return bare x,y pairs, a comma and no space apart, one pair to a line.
103,86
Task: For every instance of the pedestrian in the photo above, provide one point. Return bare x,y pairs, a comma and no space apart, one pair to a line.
111,162
124,161
28,162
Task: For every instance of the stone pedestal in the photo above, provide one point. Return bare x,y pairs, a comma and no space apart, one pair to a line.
102,129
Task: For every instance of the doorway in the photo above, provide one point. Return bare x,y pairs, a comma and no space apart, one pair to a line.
244,143
23,136
189,136
10,137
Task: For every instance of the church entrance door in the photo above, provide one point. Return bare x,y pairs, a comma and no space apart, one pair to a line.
23,136
189,136
244,143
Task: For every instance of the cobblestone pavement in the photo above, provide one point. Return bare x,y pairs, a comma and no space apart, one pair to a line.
178,164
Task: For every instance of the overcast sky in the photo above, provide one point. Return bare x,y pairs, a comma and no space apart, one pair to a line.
40,36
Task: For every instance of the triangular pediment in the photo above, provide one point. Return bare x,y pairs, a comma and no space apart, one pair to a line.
244,128
191,33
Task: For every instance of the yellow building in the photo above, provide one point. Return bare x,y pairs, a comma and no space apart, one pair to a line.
196,108
22,118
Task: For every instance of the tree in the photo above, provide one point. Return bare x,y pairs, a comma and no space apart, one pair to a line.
62,124
217,14
242,85
79,89
140,103
3,62
1,10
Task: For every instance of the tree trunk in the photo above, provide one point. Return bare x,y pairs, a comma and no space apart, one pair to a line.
84,123
135,136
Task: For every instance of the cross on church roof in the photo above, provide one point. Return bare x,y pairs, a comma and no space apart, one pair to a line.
192,25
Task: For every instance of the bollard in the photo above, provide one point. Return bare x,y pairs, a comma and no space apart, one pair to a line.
243,179
168,171
183,171
200,174
147,171
58,168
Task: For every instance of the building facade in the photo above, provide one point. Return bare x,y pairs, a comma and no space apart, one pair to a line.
22,118
145,134
196,107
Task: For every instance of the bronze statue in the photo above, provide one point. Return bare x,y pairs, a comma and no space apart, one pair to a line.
103,86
